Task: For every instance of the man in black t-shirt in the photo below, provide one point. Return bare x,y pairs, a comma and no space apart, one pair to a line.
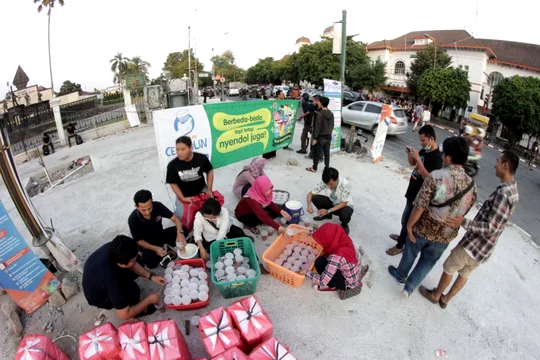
185,174
145,224
47,142
71,130
316,109
109,279
424,161
308,110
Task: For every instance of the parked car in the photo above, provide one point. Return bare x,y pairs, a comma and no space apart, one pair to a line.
366,115
283,88
349,97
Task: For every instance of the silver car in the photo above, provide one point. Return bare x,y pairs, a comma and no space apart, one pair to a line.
367,114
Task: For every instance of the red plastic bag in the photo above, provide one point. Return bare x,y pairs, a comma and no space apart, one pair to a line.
190,209
232,354
100,343
251,320
166,341
39,347
217,333
133,341
272,350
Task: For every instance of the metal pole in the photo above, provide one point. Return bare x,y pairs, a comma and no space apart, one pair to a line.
196,74
189,61
343,50
50,63
222,91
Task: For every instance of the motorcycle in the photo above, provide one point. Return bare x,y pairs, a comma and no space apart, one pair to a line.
471,167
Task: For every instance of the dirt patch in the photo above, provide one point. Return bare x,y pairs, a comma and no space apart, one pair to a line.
71,171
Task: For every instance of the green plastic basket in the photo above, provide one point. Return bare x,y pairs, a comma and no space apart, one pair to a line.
235,288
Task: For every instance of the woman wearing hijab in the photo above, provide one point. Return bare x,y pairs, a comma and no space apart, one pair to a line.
247,176
338,267
256,207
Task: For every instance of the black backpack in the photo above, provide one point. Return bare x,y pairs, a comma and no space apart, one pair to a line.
78,139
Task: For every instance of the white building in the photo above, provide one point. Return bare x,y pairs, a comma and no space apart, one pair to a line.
301,42
487,61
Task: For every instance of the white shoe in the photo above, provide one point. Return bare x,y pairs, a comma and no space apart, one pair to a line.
405,294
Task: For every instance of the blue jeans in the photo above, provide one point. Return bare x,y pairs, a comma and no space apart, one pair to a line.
430,253
404,220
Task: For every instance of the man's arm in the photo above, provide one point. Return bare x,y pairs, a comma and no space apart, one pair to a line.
180,237
339,206
496,219
420,168
176,190
210,181
132,311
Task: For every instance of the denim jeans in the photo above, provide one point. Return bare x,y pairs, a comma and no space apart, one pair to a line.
404,220
430,253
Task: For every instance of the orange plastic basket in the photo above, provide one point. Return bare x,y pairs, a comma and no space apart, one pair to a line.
273,252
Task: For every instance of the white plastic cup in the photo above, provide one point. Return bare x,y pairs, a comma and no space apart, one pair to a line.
220,273
195,320
295,269
231,277
193,272
184,275
167,292
219,265
229,270
251,273
228,262
237,252
186,300
194,295
175,279
204,288
264,235
297,263
202,275
185,268
241,277
203,296
184,291
176,300
246,260
168,271
194,280
229,256
279,262
175,286
168,278
193,286
241,270
185,283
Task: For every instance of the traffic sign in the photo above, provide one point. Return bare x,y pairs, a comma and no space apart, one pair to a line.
222,79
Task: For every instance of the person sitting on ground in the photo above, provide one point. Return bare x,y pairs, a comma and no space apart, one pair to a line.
72,132
47,142
212,223
145,224
257,208
338,266
109,279
332,197
247,176
185,174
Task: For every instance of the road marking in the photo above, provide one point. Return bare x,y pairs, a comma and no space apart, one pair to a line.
491,146
440,127
452,131
521,160
500,150
534,165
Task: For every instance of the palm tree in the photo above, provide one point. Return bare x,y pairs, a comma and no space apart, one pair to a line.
49,4
138,66
119,67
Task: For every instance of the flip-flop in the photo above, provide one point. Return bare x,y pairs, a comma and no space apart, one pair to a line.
442,304
254,230
394,237
427,294
311,170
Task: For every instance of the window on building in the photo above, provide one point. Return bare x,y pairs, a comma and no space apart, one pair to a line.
460,67
399,68
495,77
466,67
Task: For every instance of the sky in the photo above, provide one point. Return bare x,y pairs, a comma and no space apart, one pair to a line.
85,35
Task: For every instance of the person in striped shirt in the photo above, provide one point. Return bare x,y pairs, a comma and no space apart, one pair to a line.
338,267
478,243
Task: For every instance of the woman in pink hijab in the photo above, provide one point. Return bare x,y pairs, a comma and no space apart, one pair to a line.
256,207
247,176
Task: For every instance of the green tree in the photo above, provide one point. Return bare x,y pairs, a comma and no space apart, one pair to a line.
368,76
316,62
445,87
431,56
225,64
137,66
177,64
69,87
263,72
50,5
119,66
516,103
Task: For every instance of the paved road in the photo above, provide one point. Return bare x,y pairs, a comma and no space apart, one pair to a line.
527,215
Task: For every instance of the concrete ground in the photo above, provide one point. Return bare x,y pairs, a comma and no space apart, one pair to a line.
495,316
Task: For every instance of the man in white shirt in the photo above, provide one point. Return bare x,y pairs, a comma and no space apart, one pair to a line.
332,196
427,116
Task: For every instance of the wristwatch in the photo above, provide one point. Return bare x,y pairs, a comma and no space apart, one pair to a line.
151,274
181,231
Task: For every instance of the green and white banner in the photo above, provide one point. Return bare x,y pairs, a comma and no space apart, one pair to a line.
226,132
332,90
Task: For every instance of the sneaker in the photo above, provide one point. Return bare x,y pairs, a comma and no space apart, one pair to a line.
345,294
322,288
393,271
301,152
405,294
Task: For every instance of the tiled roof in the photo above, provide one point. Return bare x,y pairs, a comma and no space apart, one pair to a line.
515,53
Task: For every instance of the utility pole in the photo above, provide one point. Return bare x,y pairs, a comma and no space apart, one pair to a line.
343,50
189,60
